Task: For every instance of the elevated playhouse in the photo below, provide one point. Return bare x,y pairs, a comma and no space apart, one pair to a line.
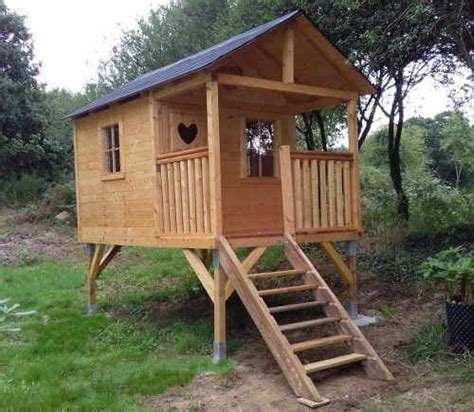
201,155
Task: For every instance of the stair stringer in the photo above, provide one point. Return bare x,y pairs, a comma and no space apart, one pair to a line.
279,346
373,365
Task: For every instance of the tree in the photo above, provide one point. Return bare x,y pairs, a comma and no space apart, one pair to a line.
458,142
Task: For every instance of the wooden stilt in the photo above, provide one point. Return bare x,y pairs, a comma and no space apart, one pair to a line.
92,273
353,290
220,279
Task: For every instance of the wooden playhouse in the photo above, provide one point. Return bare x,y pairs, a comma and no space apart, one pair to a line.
201,155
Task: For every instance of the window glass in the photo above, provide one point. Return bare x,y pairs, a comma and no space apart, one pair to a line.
259,146
111,148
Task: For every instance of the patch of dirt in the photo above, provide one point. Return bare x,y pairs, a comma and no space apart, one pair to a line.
26,243
257,384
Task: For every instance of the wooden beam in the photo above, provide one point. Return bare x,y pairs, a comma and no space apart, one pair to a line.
336,258
184,86
354,149
248,263
108,257
213,142
92,274
273,85
288,57
201,271
219,314
287,190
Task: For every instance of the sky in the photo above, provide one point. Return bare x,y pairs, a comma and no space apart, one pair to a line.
72,37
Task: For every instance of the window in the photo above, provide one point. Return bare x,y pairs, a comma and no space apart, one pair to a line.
259,145
111,148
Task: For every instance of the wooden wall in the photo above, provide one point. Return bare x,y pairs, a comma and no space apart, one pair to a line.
116,211
249,205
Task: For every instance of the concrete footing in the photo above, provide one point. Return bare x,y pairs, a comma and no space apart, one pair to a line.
91,309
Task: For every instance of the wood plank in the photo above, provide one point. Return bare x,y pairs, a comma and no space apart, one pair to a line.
248,263
315,155
220,279
320,343
354,149
182,155
334,362
199,202
323,193
201,271
172,195
276,342
287,190
264,84
315,193
107,257
307,209
336,258
178,199
297,306
297,193
166,199
186,85
308,323
192,197
331,194
213,138
185,195
339,194
206,195
159,210
285,290
277,273
288,57
346,179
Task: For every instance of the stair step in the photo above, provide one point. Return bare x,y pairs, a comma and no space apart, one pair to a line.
296,306
333,362
266,275
289,289
307,323
319,343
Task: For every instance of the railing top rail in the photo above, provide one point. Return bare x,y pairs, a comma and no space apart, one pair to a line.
307,154
182,155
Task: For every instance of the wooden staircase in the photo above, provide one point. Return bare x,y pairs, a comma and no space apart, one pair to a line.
277,335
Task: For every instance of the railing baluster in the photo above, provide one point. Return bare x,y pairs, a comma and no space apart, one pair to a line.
298,194
323,193
347,194
306,194
315,192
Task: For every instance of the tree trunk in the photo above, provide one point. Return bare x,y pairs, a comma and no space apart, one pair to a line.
308,132
322,130
395,127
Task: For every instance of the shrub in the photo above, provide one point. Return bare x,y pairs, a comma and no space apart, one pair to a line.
20,191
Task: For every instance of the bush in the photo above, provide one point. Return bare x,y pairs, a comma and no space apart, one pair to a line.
20,191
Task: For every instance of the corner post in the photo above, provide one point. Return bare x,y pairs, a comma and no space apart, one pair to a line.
354,150
95,253
287,191
213,142
220,349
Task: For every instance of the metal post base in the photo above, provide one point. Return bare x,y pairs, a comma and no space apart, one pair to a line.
352,309
91,309
220,352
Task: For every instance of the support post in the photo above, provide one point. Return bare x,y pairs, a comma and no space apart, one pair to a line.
219,310
354,150
95,253
287,191
213,143
351,264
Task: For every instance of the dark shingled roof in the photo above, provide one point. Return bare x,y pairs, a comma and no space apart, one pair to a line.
182,67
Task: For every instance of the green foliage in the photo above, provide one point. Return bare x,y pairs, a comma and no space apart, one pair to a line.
453,271
16,191
9,316
428,342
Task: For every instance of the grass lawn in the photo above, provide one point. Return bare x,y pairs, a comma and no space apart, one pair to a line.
65,360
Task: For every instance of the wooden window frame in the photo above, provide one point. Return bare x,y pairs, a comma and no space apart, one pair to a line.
276,144
106,174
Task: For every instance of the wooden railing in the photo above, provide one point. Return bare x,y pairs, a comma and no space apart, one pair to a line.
183,201
317,191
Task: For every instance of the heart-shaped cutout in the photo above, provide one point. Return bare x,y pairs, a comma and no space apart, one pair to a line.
187,133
